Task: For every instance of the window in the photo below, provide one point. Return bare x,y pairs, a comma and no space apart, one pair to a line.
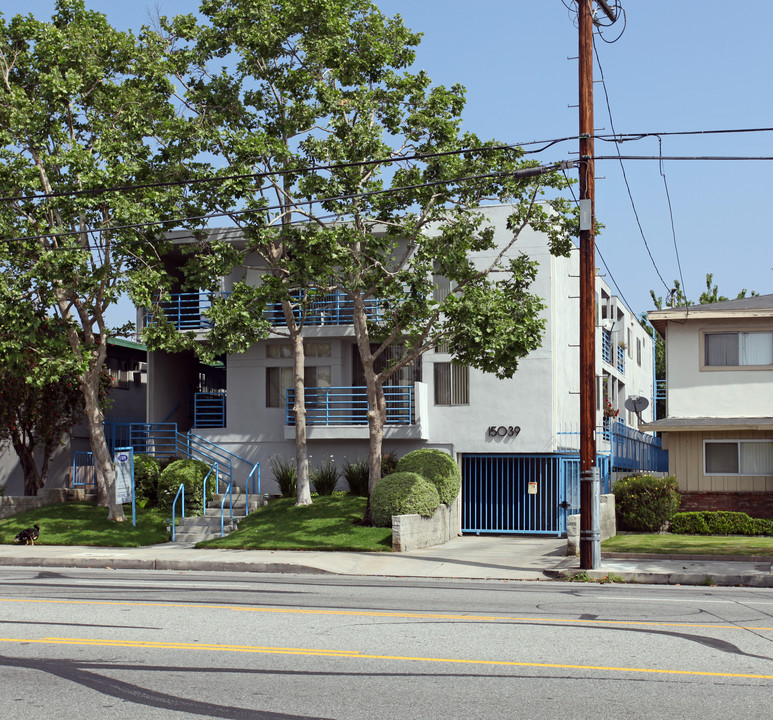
443,287
279,379
638,351
119,373
452,384
285,350
736,349
738,457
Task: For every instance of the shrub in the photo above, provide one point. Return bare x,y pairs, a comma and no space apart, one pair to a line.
438,467
147,470
388,464
357,475
190,473
286,476
645,503
402,493
720,523
325,477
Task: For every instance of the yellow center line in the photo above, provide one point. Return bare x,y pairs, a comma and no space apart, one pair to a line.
257,649
373,613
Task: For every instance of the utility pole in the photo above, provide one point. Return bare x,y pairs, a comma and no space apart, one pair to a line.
590,480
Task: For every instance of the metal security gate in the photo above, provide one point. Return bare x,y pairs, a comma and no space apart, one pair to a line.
527,494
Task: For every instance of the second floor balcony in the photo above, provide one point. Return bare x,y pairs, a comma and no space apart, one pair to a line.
349,405
188,311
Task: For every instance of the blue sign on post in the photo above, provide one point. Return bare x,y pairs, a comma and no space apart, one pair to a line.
123,461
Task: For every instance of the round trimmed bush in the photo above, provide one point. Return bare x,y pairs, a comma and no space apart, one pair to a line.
402,493
190,473
147,470
437,467
644,503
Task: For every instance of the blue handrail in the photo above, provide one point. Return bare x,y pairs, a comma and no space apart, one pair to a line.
217,484
228,494
251,476
180,490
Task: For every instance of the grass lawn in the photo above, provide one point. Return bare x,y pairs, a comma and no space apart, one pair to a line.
673,544
83,523
328,524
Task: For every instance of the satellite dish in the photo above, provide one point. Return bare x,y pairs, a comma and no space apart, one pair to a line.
636,404
610,325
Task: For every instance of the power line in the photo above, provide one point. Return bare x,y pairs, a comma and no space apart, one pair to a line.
525,172
625,176
290,171
660,158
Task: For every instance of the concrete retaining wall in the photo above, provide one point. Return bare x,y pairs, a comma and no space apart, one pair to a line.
12,504
411,532
607,520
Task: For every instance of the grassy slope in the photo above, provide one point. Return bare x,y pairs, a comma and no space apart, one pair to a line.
83,523
330,523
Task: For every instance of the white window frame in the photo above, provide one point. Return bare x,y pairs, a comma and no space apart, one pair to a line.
731,331
737,442
458,374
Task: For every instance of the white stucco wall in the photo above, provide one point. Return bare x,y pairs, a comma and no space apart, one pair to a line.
713,392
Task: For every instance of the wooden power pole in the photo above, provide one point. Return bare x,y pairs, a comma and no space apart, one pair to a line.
590,480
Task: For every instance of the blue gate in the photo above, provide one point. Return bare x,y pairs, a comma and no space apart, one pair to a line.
526,494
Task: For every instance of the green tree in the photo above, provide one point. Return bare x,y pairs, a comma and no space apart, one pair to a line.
84,107
392,203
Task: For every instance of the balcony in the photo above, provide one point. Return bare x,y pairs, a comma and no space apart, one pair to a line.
349,405
606,346
188,311
209,409
620,359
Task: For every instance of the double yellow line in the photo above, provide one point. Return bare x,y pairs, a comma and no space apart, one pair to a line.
354,655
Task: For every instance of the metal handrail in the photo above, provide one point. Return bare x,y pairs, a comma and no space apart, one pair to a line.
214,469
348,405
181,489
228,493
251,476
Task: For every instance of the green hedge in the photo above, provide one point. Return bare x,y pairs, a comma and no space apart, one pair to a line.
644,503
147,471
437,467
190,473
719,523
402,493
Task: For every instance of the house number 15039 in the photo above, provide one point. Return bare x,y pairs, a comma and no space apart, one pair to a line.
503,431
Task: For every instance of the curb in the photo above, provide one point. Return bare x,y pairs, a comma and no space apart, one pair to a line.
706,579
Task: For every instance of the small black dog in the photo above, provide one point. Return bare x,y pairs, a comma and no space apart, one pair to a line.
28,536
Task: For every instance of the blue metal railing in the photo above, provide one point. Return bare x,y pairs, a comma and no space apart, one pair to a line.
228,494
209,409
188,311
635,450
606,346
620,359
213,469
180,491
83,474
660,390
349,405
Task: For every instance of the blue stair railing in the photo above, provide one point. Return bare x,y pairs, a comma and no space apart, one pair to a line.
180,491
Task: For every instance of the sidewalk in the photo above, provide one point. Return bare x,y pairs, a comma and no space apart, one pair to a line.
470,557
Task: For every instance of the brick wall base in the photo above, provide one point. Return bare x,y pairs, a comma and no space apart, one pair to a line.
754,504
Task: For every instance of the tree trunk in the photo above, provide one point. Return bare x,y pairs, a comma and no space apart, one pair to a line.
26,454
303,487
103,464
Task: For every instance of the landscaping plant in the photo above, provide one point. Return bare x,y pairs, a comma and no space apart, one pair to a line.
436,466
720,523
356,476
325,477
644,503
286,475
402,493
147,471
190,473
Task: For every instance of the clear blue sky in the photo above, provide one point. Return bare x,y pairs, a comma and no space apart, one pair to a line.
680,66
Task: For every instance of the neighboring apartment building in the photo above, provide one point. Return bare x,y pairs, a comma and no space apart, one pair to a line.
718,427
518,428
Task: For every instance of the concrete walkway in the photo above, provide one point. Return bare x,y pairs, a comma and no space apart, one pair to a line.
471,557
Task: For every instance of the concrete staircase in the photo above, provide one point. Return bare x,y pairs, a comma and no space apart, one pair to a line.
196,529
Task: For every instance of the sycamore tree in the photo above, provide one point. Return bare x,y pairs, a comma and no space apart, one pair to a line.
361,182
87,133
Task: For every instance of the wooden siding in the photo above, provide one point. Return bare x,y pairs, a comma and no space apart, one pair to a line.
685,461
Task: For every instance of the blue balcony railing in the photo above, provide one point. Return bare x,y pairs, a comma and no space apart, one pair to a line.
209,409
620,359
188,311
349,405
606,346
334,308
